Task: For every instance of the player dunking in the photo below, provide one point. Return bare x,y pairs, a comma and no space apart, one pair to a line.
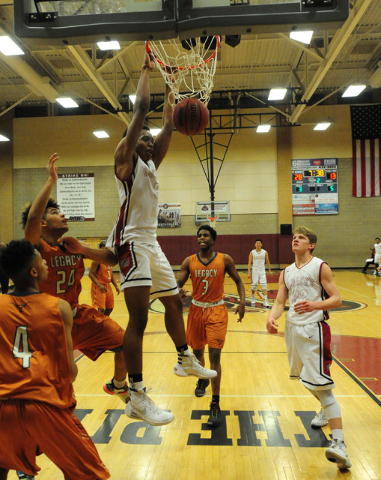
93,333
37,370
208,316
309,285
145,271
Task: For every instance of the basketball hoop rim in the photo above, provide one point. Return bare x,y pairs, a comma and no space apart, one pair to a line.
162,64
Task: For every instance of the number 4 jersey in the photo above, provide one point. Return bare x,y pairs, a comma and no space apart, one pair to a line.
207,278
65,272
34,357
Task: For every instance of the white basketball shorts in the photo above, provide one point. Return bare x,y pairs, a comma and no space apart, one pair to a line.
146,265
258,277
309,354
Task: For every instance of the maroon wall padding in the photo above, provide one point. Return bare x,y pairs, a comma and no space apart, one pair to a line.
177,248
286,254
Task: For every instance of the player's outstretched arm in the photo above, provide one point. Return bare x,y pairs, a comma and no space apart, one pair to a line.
234,275
162,141
67,317
183,276
334,300
37,210
125,151
278,307
100,255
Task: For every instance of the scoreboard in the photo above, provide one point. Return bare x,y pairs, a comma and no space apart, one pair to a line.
315,186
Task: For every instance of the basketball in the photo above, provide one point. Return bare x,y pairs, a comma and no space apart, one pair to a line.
190,116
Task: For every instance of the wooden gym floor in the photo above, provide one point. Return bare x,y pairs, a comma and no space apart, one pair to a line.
266,431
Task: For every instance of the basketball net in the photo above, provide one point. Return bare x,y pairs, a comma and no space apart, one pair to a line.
189,69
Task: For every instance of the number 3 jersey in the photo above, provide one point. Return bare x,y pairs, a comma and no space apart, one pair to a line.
65,272
207,278
34,356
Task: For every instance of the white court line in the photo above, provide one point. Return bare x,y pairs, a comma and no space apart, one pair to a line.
356,293
226,396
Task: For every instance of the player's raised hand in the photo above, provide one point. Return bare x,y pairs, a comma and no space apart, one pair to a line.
148,62
51,167
71,244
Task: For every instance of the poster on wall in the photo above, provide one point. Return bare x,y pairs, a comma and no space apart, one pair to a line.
169,215
315,186
75,196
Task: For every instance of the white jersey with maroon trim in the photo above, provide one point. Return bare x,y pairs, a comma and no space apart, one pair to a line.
137,218
259,260
304,284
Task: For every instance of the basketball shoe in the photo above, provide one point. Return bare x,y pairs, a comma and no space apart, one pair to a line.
320,420
200,387
215,415
187,364
337,453
24,476
141,407
122,393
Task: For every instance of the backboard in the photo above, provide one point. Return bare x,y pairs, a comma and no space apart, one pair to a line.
71,22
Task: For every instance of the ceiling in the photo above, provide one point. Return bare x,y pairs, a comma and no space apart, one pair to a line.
315,73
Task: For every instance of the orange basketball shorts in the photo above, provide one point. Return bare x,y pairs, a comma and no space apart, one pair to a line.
93,333
101,299
207,326
29,428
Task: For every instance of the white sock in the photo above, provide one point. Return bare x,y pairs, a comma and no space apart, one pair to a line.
337,434
118,384
137,386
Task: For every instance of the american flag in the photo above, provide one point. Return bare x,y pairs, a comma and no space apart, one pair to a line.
366,135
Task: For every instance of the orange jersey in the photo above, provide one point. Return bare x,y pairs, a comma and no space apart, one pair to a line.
65,273
103,274
207,279
35,360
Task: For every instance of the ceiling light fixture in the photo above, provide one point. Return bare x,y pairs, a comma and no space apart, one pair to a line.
111,45
155,131
354,90
322,126
302,36
132,98
277,93
101,134
8,46
263,128
67,102
4,139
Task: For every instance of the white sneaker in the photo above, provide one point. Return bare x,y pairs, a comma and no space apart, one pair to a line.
253,303
189,365
320,420
141,407
337,453
375,273
266,304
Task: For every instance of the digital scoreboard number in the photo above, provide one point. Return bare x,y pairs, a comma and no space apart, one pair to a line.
315,187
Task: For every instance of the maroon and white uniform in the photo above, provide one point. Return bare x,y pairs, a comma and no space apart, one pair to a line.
141,260
307,335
